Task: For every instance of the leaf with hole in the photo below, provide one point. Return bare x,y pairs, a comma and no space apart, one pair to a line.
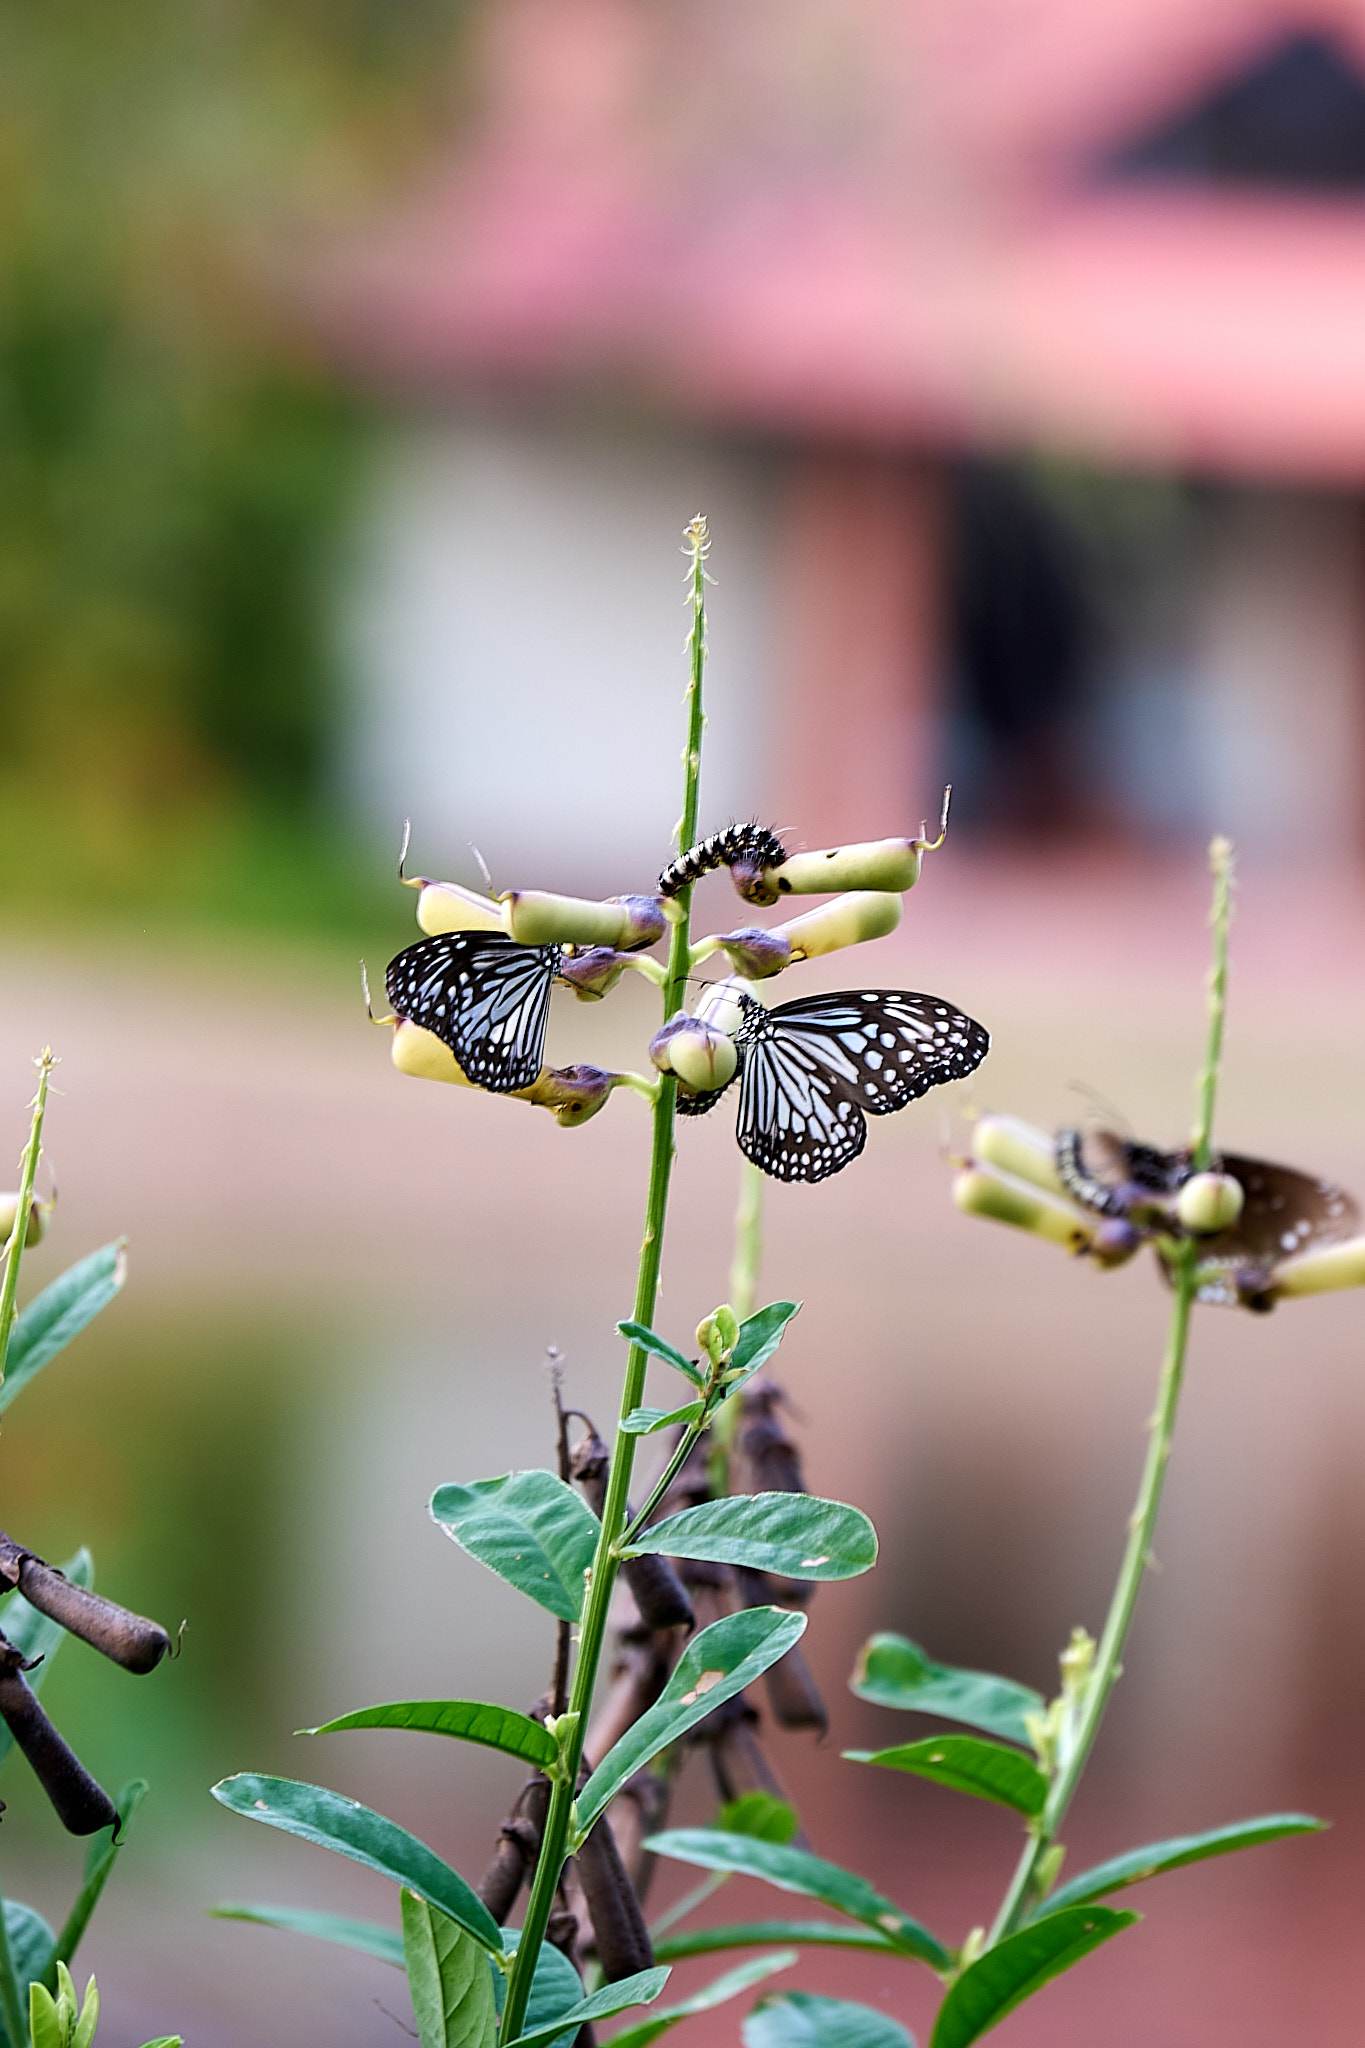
58,1314
650,1341
316,1815
645,1421
718,1662
797,1535
529,1528
641,1989
448,1977
1018,1966
1150,1861
894,1672
732,1985
796,1870
706,1941
965,1763
465,1720
802,2019
365,1937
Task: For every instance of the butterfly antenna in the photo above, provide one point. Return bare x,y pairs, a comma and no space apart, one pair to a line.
369,1006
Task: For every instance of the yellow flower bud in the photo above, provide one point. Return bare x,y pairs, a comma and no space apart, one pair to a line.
1209,1202
1017,1148
1316,1272
421,1053
37,1219
874,864
446,907
848,921
534,917
1005,1200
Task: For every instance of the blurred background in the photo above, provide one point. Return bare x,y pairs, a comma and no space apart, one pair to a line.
359,368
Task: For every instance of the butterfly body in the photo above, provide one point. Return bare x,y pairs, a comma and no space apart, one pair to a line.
484,996
812,1071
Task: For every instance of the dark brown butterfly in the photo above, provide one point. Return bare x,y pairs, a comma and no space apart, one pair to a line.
1284,1211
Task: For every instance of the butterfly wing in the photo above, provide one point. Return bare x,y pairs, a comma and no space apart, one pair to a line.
691,1103
484,996
815,1066
1283,1212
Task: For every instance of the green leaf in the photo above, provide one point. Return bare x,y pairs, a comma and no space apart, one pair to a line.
529,1528
718,1662
894,1672
448,1976
36,1635
644,1421
316,1815
761,1814
967,1764
797,1535
649,1340
759,1336
556,1988
366,1937
1156,1857
44,2026
60,1313
732,1985
1006,1975
641,1989
801,2019
100,1857
796,1870
166,2041
705,1941
31,1942
466,1720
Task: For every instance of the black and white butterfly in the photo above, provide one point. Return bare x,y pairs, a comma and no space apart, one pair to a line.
484,996
811,1073
1284,1211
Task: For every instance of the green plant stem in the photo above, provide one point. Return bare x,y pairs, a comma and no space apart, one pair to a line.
1104,1674
28,1173
606,1563
682,1451
748,1258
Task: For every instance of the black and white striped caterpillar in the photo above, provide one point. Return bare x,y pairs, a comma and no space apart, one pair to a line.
755,844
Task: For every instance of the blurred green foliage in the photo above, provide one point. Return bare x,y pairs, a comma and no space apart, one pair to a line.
178,465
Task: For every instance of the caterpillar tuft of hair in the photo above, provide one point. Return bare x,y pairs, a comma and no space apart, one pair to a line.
753,843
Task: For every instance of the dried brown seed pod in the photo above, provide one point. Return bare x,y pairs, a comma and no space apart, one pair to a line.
82,1806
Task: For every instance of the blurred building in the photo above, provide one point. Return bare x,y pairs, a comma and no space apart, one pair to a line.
1016,349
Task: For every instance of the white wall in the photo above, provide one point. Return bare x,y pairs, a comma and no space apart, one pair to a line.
517,643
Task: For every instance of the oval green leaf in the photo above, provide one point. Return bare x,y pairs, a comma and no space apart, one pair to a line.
894,1672
797,1535
796,1870
732,1985
705,1941
718,1662
529,1528
316,1815
759,1813
759,1336
967,1764
1136,1864
60,1313
644,1421
366,1937
464,1720
641,1989
650,1341
802,2019
32,1946
449,1979
1006,1975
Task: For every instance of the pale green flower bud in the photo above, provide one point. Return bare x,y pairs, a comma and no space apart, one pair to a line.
847,921
534,917
1319,1271
756,952
701,1055
1017,1148
593,973
1209,1202
37,1219
446,907
718,1334
873,864
985,1192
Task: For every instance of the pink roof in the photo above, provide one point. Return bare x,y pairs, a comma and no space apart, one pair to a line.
866,219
